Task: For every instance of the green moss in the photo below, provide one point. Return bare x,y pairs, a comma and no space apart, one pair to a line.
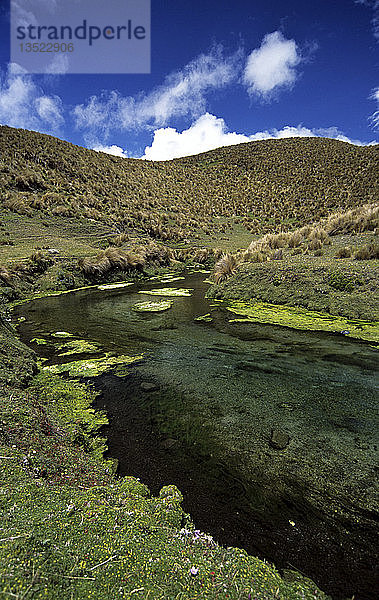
152,306
78,347
300,318
39,341
114,286
94,367
70,405
171,279
174,292
62,334
71,529
205,318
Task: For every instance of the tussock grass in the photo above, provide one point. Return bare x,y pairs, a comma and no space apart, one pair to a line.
225,267
263,186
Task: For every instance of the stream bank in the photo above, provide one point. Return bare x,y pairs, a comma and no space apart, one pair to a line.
215,399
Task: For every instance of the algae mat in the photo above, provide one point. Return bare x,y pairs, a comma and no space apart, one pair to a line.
94,367
174,292
152,306
300,318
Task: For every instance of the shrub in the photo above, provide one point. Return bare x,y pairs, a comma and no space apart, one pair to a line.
344,282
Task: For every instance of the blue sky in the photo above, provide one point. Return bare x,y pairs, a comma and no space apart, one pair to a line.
222,72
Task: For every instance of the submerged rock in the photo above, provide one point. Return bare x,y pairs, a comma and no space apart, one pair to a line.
146,386
169,443
279,440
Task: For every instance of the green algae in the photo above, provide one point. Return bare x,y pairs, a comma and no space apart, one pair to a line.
205,318
300,318
78,347
39,341
174,292
114,286
40,295
62,334
152,306
96,366
163,276
171,279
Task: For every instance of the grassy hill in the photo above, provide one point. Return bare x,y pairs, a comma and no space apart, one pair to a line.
256,187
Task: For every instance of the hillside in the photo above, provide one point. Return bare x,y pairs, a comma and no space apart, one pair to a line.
256,187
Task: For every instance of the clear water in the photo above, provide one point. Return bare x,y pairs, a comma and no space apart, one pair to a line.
220,389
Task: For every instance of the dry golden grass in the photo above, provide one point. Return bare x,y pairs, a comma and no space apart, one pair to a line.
225,267
262,186
362,218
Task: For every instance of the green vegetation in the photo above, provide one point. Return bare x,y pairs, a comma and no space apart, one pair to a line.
171,292
73,218
152,306
71,529
299,318
262,185
94,366
310,267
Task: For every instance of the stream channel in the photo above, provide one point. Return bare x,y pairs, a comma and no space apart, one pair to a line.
269,432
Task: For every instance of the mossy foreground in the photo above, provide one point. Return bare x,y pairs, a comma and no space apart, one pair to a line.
71,529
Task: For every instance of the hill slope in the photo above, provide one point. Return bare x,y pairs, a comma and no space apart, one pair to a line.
262,185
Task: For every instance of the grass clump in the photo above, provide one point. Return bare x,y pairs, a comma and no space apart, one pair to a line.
225,267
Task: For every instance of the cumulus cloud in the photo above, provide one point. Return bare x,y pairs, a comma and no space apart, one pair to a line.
209,132
272,66
206,133
113,150
182,94
23,104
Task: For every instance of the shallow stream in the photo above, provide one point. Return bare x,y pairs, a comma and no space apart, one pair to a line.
269,432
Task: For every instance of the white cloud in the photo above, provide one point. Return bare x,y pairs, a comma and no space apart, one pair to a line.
272,66
23,104
375,116
182,94
374,5
59,65
209,132
113,150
